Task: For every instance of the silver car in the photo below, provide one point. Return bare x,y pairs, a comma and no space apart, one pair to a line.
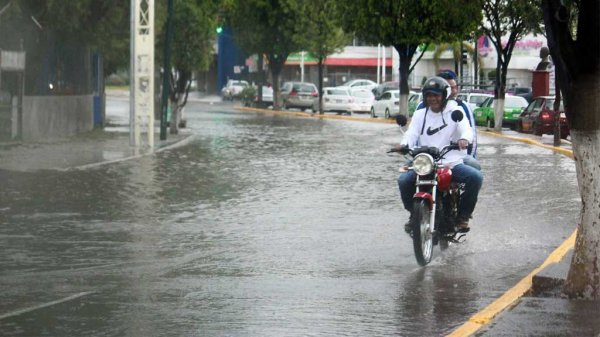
299,95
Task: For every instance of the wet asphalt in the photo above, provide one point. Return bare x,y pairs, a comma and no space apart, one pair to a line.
265,225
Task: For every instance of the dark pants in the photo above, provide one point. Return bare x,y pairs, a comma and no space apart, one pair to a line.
461,173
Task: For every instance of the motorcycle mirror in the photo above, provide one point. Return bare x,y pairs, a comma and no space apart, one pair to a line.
457,115
401,120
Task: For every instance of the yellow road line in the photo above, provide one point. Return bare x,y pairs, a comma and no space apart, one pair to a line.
566,152
509,298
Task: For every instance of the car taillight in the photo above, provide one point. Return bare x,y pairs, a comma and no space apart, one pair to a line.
545,116
314,94
293,92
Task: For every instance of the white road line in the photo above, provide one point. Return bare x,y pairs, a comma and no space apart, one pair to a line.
44,305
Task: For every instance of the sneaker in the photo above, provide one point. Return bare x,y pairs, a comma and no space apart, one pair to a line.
462,226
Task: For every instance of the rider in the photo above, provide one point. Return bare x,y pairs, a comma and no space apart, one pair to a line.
434,126
450,77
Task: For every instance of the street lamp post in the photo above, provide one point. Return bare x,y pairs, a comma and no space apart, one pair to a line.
166,72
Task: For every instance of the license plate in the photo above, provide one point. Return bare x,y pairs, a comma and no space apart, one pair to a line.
338,101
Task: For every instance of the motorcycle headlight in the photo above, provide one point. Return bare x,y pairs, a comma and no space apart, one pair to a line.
423,164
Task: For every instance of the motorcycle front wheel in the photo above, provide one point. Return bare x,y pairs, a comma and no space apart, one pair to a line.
422,232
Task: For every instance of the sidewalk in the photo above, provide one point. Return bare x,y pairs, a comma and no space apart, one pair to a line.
89,149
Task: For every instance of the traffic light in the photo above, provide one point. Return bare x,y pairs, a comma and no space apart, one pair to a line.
464,57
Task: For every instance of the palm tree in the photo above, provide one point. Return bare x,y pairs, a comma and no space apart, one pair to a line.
456,49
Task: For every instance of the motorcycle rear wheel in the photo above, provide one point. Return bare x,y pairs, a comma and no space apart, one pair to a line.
422,232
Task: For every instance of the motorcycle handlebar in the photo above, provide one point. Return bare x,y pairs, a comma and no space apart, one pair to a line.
406,150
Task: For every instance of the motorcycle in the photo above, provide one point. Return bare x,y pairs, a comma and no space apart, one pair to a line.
435,204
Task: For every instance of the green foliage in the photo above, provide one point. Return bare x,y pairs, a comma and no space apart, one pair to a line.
267,27
394,22
194,24
102,24
505,23
248,95
321,33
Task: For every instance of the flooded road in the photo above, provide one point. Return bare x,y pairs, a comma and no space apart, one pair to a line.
265,225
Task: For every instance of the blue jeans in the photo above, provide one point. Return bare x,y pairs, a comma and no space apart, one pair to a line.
461,173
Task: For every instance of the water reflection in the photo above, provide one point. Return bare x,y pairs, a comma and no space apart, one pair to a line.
262,226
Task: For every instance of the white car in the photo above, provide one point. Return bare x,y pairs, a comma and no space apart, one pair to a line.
337,99
363,100
474,99
233,88
360,84
387,105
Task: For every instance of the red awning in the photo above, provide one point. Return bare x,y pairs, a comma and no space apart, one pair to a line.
349,62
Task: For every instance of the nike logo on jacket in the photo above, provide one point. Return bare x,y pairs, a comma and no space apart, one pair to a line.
428,128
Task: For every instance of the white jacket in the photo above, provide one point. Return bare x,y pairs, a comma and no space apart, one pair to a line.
428,128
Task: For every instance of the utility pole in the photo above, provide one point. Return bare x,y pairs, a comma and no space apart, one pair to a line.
141,72
166,86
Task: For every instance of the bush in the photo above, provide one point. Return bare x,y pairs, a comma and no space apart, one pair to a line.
248,95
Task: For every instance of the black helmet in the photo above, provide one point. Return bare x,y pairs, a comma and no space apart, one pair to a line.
438,86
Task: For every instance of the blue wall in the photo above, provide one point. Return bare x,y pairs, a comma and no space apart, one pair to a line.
229,56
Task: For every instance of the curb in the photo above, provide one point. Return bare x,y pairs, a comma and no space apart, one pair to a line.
176,144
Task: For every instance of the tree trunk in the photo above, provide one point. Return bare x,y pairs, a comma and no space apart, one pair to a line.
578,68
583,279
406,52
179,100
320,99
275,66
501,69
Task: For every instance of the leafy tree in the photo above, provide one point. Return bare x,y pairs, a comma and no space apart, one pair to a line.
194,24
514,18
405,24
456,48
572,31
322,34
268,27
101,24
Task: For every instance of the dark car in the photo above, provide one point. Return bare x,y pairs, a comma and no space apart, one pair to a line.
525,92
538,117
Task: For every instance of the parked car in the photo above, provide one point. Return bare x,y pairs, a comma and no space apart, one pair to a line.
337,99
233,89
525,92
299,95
267,97
414,98
360,84
385,86
474,99
513,106
387,104
363,100
539,115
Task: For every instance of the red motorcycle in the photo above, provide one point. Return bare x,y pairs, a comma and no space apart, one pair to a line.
435,204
